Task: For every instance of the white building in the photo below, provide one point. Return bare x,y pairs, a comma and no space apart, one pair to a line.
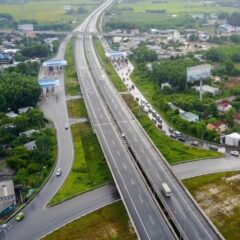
231,139
190,117
227,28
207,89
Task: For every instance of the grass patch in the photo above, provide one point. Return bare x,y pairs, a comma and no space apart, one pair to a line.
71,80
46,10
76,108
89,169
110,222
218,194
117,82
173,150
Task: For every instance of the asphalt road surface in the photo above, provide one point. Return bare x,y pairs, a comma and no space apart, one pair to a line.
146,217
40,220
182,209
207,166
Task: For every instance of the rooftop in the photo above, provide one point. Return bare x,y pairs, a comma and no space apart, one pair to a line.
53,63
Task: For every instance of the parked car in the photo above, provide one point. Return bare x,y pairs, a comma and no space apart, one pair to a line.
20,216
182,139
171,130
194,143
59,172
159,125
213,147
173,135
178,134
234,153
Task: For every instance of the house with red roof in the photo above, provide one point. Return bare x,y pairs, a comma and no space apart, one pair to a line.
224,106
219,127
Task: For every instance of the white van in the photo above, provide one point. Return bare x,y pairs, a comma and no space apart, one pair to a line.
166,189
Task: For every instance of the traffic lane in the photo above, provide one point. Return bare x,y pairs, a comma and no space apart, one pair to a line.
42,222
207,166
106,86
118,113
98,113
147,218
151,217
133,132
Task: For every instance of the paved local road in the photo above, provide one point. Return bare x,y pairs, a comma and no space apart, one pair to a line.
207,166
40,220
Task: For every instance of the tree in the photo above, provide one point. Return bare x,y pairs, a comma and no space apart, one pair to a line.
230,116
144,54
18,91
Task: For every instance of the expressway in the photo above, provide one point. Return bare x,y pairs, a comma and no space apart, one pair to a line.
184,212
147,219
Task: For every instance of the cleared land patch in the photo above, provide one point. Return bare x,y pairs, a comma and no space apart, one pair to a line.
110,222
219,196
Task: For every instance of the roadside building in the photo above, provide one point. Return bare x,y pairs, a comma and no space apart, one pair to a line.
7,197
207,89
6,58
231,139
11,114
227,28
24,110
219,127
30,146
28,133
190,117
165,85
224,106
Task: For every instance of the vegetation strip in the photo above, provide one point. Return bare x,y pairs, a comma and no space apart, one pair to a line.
117,82
172,150
71,82
110,222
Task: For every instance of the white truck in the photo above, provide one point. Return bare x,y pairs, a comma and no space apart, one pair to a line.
166,189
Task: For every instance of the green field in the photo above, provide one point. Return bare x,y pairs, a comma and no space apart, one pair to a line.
108,67
46,10
71,81
134,13
108,223
173,150
218,195
76,108
89,169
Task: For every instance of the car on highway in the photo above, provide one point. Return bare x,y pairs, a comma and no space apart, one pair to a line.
20,216
234,153
66,126
173,135
59,172
194,143
166,189
213,147
182,139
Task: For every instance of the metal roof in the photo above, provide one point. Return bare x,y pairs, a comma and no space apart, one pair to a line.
48,82
54,63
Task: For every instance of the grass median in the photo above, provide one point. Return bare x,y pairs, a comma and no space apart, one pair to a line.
71,80
172,150
76,108
218,195
89,169
110,222
117,82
